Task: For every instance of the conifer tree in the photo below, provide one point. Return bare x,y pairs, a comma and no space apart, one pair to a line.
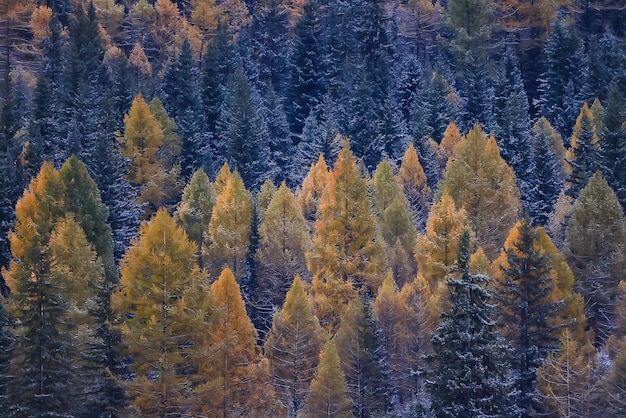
613,142
345,258
564,381
415,186
479,180
312,189
292,348
281,253
471,372
525,287
195,209
596,251
394,222
358,353
279,139
435,250
451,137
583,156
613,387
328,395
164,302
229,230
236,375
549,171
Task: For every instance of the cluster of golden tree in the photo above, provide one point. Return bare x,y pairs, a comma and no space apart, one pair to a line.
344,280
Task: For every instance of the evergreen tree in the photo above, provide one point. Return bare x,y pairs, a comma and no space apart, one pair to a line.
306,83
281,254
183,103
596,251
613,142
583,156
328,395
525,286
560,84
548,171
292,348
279,141
243,133
358,354
471,372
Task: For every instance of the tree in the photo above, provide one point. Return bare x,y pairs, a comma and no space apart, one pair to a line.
479,180
279,140
471,372
345,259
328,393
564,381
560,85
415,186
195,209
529,306
236,375
394,222
229,230
613,387
549,171
583,156
141,144
165,306
243,133
435,250
281,254
54,281
612,142
312,189
292,348
596,251
357,346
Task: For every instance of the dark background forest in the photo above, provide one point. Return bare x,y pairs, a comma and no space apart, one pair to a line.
236,208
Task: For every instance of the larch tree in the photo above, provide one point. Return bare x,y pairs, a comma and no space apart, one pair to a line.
281,253
345,258
436,250
357,345
195,209
470,375
292,349
395,222
328,395
564,382
481,182
165,305
141,144
415,186
451,137
228,237
596,251
313,185
235,371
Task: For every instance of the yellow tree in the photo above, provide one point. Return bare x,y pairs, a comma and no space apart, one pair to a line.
328,395
312,189
564,381
481,182
165,305
228,237
281,253
451,138
292,348
345,259
437,249
413,180
235,371
142,144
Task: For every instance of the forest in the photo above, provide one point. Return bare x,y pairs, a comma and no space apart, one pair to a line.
312,208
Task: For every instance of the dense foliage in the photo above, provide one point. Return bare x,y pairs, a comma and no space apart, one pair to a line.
312,208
